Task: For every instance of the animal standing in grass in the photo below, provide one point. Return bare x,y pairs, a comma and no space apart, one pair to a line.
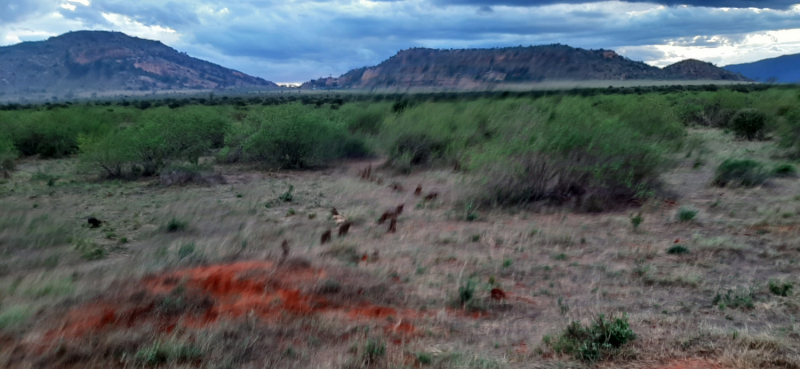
326,237
94,222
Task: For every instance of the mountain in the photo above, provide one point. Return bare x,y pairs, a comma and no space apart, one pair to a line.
783,69
95,61
467,68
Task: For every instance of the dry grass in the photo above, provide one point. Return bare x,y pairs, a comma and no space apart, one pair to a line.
554,266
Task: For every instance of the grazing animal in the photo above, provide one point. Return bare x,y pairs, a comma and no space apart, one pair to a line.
392,226
344,228
94,222
326,237
391,214
386,216
418,191
431,196
334,212
397,187
285,248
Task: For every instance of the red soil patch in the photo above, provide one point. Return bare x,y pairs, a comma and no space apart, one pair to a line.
208,294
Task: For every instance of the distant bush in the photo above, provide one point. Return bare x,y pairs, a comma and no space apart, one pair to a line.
740,172
780,288
784,171
293,137
677,250
417,149
686,215
748,123
596,341
8,153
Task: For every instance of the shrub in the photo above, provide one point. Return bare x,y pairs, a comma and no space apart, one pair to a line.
785,171
185,251
677,250
686,215
636,221
417,149
596,341
748,123
8,153
175,225
740,172
739,298
14,316
163,352
780,288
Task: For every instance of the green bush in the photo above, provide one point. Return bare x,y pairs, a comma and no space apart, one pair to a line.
780,288
175,225
686,215
735,299
293,137
785,171
740,172
596,341
677,250
748,123
166,352
8,153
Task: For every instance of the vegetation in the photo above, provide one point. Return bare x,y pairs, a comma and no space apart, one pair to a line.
686,215
780,288
748,123
594,342
740,172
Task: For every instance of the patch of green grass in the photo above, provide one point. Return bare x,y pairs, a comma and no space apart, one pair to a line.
166,352
686,215
677,250
507,263
175,225
14,316
89,250
784,171
740,172
287,196
780,288
596,341
424,358
735,299
560,257
636,221
56,287
185,251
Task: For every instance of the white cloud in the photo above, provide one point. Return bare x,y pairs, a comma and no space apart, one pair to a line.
132,27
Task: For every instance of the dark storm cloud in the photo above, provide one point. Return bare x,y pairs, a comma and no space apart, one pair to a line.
771,4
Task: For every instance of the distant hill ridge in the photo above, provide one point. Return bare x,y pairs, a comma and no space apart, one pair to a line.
105,61
468,68
783,69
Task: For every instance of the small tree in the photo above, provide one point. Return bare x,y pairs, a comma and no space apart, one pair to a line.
748,123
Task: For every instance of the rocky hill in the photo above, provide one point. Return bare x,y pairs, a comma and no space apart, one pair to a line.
783,69
467,68
97,61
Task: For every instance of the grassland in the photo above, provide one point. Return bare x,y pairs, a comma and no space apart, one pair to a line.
491,273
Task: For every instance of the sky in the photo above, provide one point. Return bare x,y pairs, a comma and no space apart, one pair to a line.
297,40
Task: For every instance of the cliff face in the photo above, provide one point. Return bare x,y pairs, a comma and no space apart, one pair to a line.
102,61
475,67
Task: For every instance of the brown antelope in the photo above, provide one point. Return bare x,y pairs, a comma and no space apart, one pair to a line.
431,196
326,237
392,226
418,191
344,228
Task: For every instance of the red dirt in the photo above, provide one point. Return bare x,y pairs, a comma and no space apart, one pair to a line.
222,292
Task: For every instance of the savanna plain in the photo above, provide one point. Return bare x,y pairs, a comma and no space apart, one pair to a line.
653,227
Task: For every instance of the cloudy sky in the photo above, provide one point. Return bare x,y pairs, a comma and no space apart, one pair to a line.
296,40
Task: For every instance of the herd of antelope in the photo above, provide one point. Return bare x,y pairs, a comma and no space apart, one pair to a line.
389,215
